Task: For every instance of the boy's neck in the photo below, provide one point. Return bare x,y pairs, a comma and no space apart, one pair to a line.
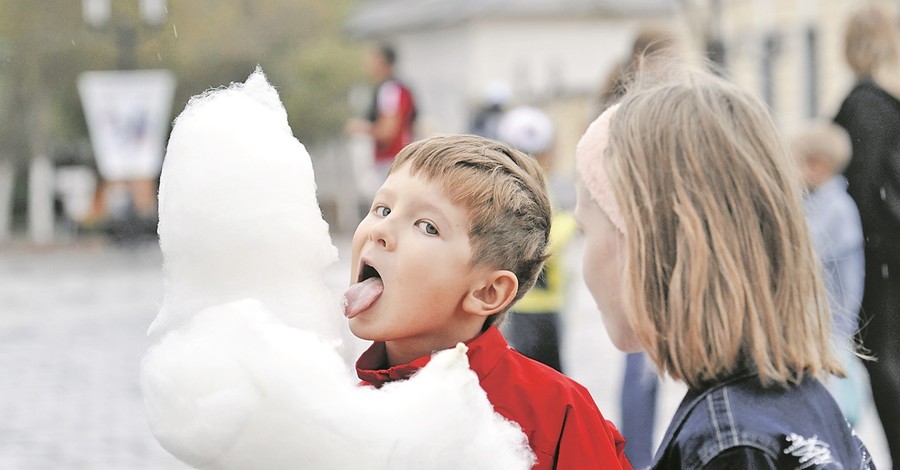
400,352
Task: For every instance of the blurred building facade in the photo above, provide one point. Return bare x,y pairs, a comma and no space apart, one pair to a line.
789,52
554,53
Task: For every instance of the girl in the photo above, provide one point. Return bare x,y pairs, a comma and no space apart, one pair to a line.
697,252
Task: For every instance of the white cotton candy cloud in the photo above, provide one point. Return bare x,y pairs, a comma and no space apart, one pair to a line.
246,371
238,214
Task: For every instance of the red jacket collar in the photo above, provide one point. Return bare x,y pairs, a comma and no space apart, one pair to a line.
484,352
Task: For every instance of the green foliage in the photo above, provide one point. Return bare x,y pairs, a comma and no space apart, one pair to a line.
322,76
45,45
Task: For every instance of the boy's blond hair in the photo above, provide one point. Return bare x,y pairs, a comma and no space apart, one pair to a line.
503,191
871,40
823,140
721,273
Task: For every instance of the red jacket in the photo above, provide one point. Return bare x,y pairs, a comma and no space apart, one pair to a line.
564,427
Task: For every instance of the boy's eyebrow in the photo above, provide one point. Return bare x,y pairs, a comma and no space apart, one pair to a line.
428,206
384,191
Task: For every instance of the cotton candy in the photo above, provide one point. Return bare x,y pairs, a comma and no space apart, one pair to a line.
245,371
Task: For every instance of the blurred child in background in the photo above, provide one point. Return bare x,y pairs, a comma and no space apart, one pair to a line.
533,326
822,151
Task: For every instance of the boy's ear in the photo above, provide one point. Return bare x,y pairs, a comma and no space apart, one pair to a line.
493,294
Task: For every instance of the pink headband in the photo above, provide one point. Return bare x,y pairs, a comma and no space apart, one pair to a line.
589,163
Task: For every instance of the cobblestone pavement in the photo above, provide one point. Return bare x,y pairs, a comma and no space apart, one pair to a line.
72,334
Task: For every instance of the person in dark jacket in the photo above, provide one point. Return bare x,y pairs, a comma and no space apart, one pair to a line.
458,233
871,115
697,251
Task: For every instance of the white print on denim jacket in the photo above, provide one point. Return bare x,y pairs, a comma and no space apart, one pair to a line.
811,452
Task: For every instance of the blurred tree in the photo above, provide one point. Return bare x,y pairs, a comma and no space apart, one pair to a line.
42,56
45,45
299,44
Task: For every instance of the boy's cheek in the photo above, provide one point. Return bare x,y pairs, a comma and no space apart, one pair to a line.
359,236
355,248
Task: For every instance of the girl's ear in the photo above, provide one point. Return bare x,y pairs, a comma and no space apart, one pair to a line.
493,294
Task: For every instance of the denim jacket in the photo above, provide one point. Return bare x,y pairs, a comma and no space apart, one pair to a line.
799,427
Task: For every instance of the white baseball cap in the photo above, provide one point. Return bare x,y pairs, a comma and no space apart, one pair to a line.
526,128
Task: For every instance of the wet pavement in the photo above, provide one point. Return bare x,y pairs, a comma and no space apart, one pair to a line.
71,340
72,334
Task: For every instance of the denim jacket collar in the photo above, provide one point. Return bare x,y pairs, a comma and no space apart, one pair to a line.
691,399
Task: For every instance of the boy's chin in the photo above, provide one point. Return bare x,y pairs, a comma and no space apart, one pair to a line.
359,330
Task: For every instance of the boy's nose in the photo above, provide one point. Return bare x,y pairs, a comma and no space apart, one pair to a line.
382,234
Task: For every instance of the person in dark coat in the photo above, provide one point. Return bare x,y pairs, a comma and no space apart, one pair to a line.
871,115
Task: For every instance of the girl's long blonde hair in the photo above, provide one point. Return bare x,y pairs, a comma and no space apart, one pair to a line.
721,272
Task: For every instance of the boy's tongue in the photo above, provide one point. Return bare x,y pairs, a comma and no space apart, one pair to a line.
361,295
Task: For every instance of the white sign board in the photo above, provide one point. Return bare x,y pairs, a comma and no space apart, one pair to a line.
128,116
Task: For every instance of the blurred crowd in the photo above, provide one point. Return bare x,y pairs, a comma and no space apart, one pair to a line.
848,166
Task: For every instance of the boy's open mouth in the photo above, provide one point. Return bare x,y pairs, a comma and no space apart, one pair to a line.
367,272
364,293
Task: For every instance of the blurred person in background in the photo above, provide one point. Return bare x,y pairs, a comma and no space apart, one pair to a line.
532,326
640,381
871,115
653,41
822,150
391,115
491,110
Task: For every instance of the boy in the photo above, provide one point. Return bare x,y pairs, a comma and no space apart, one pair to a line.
457,234
822,151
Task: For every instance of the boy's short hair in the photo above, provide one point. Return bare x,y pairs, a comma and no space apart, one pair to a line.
504,193
721,272
825,140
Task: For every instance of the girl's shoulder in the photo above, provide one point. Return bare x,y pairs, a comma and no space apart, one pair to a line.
786,424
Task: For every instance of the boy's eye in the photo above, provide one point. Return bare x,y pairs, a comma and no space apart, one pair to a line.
427,227
382,211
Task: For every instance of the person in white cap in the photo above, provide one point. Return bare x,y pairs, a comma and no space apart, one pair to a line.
532,327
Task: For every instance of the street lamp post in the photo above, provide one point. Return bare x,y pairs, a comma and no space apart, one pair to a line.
126,111
99,16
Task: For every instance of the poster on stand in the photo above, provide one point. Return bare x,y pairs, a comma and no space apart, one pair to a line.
128,117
